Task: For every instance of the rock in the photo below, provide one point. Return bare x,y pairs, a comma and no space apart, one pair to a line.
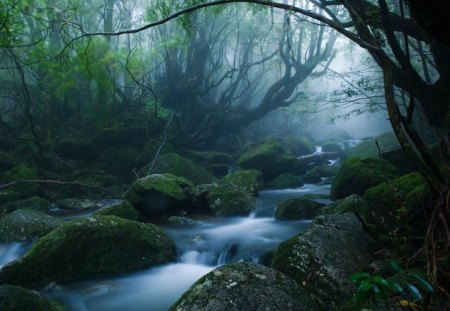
211,157
326,170
26,225
368,148
244,286
287,181
249,181
333,147
185,221
324,258
396,203
352,203
312,177
181,166
88,248
156,195
119,208
77,204
22,172
271,158
318,158
77,148
15,298
299,145
356,175
34,203
227,200
401,162
297,208
198,204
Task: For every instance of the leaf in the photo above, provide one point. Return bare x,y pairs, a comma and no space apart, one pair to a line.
360,276
423,283
395,287
379,280
415,292
395,266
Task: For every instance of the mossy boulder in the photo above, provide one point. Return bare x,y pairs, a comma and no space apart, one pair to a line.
26,225
211,157
299,145
323,258
356,175
297,208
271,158
22,188
352,203
15,298
21,172
287,181
397,203
333,147
77,204
88,248
156,195
368,148
245,286
119,160
312,177
250,181
401,162
34,203
197,198
119,208
228,200
325,170
180,166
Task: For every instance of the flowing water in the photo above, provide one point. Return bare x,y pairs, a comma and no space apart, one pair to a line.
201,248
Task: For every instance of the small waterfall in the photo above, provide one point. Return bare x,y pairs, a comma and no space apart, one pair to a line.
10,252
317,149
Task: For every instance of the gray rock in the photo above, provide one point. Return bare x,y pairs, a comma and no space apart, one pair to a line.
324,258
227,200
242,287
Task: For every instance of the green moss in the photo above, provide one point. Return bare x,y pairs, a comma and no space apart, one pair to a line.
312,177
211,157
15,298
356,175
248,180
33,203
332,147
297,208
119,160
227,200
288,181
88,248
299,145
397,204
21,172
368,148
181,166
352,203
122,209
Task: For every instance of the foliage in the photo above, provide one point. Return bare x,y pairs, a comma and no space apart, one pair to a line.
409,284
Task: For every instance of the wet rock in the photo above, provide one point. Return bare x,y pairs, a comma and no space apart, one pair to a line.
34,203
26,225
244,286
156,195
198,204
312,177
287,181
77,204
180,220
15,298
352,203
180,166
88,248
356,175
271,158
227,200
248,180
119,208
324,258
297,208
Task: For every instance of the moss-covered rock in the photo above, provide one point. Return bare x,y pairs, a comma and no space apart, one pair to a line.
271,158
26,225
34,203
119,208
22,188
299,145
287,181
185,221
244,286
180,166
197,198
211,157
356,175
77,203
227,200
250,181
397,204
333,147
119,161
325,170
352,203
312,177
156,195
369,149
22,172
87,248
297,208
401,162
15,298
324,258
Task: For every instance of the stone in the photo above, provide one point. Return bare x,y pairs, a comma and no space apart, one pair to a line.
228,200
248,180
297,208
15,298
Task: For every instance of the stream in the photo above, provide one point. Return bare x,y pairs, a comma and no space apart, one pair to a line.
213,242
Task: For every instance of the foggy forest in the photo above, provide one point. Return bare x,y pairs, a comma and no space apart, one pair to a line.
250,155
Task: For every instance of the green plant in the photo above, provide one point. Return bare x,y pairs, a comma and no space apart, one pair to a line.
392,281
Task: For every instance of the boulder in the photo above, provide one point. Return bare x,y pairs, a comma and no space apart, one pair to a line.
180,166
312,177
271,158
244,286
397,204
287,181
15,298
26,225
81,204
88,248
368,148
156,195
119,208
297,208
197,199
34,203
249,181
352,203
184,221
324,258
228,200
356,175
333,147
